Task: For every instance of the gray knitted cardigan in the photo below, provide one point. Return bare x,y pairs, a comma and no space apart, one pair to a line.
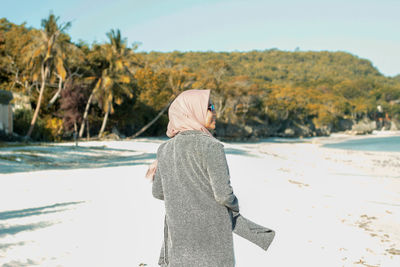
192,178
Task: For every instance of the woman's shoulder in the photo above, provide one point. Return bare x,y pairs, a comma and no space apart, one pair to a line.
162,146
189,136
201,137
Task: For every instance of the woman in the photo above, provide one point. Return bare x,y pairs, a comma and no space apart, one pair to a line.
192,177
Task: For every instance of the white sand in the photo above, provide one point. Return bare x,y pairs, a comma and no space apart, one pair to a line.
329,207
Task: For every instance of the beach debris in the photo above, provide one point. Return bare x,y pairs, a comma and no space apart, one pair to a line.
142,264
368,218
385,238
393,251
362,262
365,222
370,250
300,184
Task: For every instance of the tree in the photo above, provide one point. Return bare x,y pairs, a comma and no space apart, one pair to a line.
46,52
214,76
14,74
112,76
72,99
178,79
268,89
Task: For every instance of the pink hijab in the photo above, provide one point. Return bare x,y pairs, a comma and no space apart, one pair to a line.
187,112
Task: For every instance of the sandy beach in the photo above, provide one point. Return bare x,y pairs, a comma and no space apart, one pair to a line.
91,206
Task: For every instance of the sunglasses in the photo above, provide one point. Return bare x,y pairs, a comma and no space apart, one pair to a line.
211,107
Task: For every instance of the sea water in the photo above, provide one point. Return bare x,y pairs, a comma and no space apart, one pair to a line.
388,144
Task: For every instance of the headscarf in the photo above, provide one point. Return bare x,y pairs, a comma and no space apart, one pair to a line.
187,112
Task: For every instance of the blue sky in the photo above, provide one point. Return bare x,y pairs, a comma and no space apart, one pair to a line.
366,28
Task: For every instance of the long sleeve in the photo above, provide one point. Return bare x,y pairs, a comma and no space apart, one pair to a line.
157,188
257,234
218,172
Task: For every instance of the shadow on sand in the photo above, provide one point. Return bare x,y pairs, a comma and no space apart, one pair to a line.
240,152
47,157
6,229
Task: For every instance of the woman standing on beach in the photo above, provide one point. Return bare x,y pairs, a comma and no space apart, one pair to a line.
192,177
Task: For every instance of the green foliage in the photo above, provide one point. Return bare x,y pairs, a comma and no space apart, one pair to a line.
268,89
22,120
296,86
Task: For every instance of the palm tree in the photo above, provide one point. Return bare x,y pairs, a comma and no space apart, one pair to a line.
112,79
46,53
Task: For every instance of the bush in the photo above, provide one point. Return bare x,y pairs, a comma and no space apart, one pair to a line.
325,119
5,137
55,127
22,121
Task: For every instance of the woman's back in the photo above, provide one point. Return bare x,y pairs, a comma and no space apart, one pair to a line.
191,175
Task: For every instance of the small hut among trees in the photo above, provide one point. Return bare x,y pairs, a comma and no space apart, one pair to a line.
6,114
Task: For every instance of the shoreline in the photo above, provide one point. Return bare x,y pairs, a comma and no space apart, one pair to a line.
340,136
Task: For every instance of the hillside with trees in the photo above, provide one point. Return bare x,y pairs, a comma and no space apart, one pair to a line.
64,89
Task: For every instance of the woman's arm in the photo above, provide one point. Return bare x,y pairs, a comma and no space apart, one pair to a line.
157,188
218,171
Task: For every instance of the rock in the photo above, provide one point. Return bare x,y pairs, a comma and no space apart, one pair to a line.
231,132
111,136
395,125
323,131
248,129
116,132
303,130
345,124
294,129
289,132
264,130
365,126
